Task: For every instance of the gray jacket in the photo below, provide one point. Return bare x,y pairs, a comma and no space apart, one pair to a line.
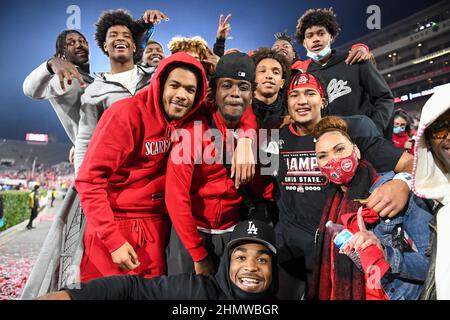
99,96
43,85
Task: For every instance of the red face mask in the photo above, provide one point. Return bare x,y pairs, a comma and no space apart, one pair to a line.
341,170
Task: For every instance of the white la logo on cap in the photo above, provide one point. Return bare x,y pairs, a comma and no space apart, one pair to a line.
241,74
252,228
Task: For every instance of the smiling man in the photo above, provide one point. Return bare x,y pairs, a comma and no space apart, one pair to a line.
431,180
117,35
272,73
62,79
247,272
153,54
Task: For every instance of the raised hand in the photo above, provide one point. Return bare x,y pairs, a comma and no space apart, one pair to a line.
65,70
224,27
357,54
154,16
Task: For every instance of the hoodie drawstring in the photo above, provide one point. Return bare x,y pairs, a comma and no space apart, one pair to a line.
139,229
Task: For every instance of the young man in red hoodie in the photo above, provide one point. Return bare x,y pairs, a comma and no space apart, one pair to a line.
202,200
121,181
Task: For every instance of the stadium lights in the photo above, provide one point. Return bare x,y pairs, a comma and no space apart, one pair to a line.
432,56
394,54
419,45
390,55
421,28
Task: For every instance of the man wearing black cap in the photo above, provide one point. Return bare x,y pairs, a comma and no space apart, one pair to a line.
201,198
248,273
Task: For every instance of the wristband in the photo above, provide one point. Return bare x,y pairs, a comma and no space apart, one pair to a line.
361,45
405,177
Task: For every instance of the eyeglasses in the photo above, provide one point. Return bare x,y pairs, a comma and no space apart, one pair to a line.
439,129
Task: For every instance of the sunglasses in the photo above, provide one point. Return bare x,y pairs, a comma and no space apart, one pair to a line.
439,129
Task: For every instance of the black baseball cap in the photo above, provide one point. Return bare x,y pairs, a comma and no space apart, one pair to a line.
253,231
237,66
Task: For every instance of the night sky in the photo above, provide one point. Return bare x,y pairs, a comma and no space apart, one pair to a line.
29,30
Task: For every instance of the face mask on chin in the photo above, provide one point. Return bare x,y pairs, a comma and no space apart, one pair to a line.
322,54
341,170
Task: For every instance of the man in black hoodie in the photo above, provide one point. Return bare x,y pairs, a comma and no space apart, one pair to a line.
248,273
352,89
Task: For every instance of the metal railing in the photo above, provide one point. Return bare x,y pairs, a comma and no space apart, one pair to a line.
58,262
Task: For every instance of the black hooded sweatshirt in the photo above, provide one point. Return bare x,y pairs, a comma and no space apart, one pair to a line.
269,116
175,287
356,89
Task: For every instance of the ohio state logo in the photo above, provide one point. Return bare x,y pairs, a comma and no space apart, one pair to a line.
347,165
302,79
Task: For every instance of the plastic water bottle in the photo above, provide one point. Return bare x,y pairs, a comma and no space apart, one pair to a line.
340,237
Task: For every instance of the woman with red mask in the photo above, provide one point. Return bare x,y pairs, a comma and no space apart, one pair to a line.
391,252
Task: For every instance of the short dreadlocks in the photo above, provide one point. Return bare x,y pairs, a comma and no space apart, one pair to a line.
284,36
61,41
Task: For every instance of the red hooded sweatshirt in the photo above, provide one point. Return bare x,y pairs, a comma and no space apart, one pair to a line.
199,190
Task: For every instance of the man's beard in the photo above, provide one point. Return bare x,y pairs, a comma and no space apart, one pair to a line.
232,118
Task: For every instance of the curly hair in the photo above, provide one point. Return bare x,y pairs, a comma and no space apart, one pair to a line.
113,18
266,53
331,124
317,17
195,44
61,41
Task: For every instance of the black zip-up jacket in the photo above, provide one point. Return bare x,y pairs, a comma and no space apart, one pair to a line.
356,89
269,116
175,287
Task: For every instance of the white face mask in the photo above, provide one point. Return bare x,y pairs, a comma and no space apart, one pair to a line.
322,54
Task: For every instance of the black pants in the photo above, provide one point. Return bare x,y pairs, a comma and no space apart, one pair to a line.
180,261
295,260
34,214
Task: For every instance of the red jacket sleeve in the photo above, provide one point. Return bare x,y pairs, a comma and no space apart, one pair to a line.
178,186
110,145
301,65
248,124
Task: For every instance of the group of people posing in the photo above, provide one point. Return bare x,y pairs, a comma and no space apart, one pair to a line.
213,174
